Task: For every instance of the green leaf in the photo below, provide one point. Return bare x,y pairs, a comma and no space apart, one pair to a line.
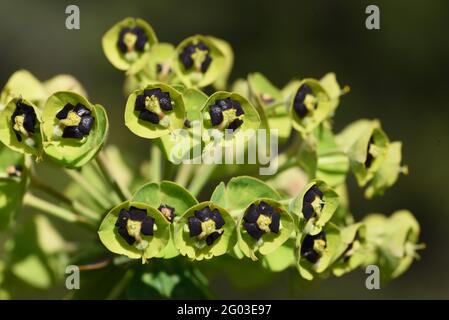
31,144
218,66
72,153
329,204
115,243
134,60
197,249
146,129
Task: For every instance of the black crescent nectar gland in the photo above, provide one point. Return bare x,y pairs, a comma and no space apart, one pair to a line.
206,224
133,223
132,39
369,156
196,56
23,121
260,219
153,105
226,114
75,121
312,247
304,101
313,202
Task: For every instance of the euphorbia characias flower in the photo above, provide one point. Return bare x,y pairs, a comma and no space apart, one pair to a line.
172,200
264,226
136,230
392,242
204,231
309,105
375,161
352,251
155,111
73,129
200,61
315,253
314,206
226,111
127,43
20,127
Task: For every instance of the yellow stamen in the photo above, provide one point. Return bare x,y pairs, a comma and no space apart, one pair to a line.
130,40
264,222
72,120
198,58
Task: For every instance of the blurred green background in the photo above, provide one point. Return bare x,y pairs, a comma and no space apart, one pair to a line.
397,74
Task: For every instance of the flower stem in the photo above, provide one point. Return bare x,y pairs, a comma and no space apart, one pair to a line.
155,164
184,173
56,211
57,195
200,179
108,174
98,196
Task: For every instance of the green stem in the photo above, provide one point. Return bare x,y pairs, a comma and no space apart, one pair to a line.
108,174
56,211
200,179
121,285
155,164
184,173
96,194
57,195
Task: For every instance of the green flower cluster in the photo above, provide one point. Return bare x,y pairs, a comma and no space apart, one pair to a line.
297,218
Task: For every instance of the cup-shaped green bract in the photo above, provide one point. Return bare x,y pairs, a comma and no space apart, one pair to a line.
226,49
63,82
181,144
136,230
229,116
263,227
13,181
393,242
315,253
22,84
352,251
200,61
127,43
332,88
314,207
172,200
73,129
204,231
274,107
20,127
375,161
309,105
159,66
155,111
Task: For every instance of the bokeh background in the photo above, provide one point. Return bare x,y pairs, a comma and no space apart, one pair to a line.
397,74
